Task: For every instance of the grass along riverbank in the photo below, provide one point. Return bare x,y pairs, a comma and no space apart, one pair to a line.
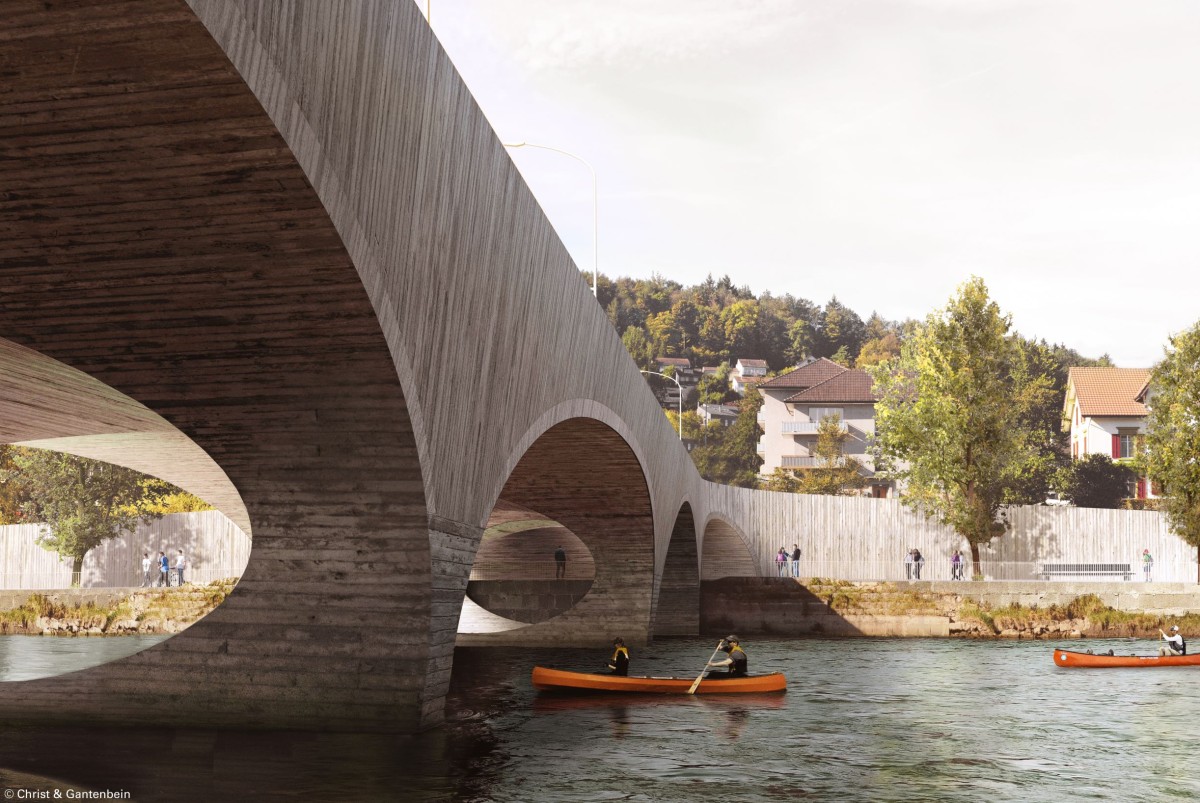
1085,616
142,612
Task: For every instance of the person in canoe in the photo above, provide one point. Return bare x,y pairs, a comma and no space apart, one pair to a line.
619,663
735,660
1175,644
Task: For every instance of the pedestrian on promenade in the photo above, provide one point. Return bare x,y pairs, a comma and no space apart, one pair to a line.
180,563
795,560
164,570
147,579
781,561
908,564
1147,563
956,565
560,563
918,562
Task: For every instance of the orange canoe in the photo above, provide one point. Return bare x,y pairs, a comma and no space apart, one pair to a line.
1085,659
561,680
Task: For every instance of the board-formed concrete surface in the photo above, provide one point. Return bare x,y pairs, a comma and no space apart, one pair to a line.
303,278
273,252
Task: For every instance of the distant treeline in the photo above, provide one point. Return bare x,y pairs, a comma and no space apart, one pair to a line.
715,322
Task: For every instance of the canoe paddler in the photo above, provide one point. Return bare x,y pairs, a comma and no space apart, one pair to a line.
619,663
1175,644
735,660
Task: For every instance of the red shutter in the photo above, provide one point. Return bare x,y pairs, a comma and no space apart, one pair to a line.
1116,446
1141,488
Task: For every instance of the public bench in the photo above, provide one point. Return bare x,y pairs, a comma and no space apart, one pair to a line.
1054,570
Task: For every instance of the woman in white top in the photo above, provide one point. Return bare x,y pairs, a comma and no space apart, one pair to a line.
179,564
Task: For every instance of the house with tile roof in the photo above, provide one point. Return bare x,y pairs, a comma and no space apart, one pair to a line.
794,404
747,373
1105,412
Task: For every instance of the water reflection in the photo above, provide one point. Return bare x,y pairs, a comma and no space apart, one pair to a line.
888,720
32,657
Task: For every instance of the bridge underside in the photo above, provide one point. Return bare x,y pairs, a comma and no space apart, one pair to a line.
157,234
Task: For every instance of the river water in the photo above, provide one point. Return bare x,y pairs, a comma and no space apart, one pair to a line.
868,719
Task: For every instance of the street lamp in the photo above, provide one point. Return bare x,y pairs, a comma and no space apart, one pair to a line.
676,381
595,208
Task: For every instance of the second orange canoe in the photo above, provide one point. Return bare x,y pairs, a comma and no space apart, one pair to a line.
545,679
1088,660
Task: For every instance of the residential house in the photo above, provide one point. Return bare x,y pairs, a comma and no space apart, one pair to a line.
726,414
795,402
1105,412
747,373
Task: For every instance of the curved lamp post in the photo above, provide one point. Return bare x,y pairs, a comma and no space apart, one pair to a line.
595,208
676,381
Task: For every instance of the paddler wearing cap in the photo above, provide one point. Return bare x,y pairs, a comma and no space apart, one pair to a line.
1175,644
735,659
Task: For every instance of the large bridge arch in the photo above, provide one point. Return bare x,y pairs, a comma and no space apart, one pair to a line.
727,551
286,229
158,235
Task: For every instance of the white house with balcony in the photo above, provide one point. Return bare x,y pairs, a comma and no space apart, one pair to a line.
1105,412
794,404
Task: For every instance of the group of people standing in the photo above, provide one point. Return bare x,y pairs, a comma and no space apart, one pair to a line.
163,565
788,563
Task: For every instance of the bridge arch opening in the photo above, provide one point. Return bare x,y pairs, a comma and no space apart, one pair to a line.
726,553
581,486
117,588
678,609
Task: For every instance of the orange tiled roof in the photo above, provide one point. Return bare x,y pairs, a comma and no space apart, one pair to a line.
852,385
806,375
1108,391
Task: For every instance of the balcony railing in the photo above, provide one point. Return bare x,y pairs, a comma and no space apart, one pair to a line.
807,427
792,461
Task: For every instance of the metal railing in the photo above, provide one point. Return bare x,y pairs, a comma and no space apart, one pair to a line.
942,569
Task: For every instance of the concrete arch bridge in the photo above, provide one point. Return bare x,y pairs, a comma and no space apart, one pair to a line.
273,252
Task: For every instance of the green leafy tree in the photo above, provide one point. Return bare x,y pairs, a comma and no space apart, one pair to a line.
783,481
952,417
730,455
714,388
11,493
1096,481
638,346
81,502
835,473
841,328
1171,447
877,350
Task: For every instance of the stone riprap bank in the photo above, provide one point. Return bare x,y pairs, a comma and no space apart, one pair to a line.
108,612
788,607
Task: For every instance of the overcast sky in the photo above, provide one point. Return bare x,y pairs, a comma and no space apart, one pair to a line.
880,151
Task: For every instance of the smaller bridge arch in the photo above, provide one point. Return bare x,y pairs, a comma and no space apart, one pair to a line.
726,552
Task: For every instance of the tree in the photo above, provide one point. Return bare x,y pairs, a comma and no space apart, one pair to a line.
951,421
877,350
714,388
835,473
1171,447
730,455
81,502
638,346
1096,481
783,481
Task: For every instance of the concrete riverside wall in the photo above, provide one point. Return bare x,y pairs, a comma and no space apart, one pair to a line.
787,607
856,538
214,547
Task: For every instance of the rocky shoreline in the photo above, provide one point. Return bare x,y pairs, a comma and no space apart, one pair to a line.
140,612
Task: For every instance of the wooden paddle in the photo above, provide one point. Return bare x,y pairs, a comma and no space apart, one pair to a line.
696,684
